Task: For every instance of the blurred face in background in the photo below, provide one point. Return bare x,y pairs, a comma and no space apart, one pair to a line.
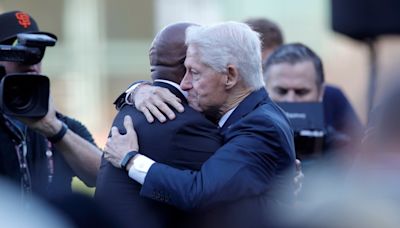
297,82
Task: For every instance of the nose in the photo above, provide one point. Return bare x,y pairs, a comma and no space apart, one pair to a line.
291,97
186,83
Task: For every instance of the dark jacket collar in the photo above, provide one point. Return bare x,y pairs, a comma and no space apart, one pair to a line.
251,102
173,90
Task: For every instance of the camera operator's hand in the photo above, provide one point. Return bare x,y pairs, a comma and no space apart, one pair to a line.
48,125
154,101
82,156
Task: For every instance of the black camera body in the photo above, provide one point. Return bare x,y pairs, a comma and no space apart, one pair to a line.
25,94
308,124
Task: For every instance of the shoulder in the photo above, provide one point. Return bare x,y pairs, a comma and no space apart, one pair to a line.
269,115
334,94
73,124
267,122
189,119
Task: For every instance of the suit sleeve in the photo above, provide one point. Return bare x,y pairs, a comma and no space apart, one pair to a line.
244,166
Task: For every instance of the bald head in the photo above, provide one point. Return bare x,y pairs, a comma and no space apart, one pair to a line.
168,52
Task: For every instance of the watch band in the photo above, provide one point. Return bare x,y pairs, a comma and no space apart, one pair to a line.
127,158
60,134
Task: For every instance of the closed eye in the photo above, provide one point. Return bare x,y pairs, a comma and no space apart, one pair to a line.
281,91
302,92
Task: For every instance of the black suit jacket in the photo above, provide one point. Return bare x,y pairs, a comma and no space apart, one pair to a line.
184,143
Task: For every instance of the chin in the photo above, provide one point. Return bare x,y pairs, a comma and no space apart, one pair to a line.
195,107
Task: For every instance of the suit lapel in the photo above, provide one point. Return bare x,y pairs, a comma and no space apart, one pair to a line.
247,105
171,88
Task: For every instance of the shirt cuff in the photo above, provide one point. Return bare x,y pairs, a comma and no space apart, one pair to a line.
140,167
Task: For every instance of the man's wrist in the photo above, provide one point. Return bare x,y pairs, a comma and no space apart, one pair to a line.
125,98
55,138
130,163
138,167
130,93
127,159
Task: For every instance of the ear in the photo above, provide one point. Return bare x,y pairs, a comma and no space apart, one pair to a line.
232,77
321,93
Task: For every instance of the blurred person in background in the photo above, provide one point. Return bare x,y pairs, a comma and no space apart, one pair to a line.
370,194
380,155
338,112
270,35
42,154
294,73
15,214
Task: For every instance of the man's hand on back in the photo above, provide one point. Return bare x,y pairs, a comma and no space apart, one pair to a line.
153,101
118,145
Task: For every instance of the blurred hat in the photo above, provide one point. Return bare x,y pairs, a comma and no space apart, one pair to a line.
15,22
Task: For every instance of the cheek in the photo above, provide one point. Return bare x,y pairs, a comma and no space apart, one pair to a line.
9,68
201,88
38,67
314,94
201,96
277,97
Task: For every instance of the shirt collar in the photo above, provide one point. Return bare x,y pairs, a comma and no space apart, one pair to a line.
176,85
225,117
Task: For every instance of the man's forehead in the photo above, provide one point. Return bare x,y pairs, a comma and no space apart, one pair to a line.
301,71
191,50
191,55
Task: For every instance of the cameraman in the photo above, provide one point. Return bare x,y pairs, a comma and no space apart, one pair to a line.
42,154
294,73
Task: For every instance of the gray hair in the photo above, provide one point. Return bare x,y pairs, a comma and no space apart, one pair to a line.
229,43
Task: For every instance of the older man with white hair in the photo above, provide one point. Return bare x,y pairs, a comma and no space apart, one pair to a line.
248,175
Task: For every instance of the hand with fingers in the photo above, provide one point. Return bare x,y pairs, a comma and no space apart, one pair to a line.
118,145
48,125
153,101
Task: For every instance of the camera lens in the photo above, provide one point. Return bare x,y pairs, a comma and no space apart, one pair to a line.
19,98
24,95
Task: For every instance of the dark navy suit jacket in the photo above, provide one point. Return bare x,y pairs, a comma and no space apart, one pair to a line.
184,143
251,168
